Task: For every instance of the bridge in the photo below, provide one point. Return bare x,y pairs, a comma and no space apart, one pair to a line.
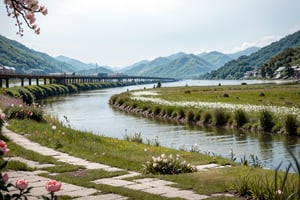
71,79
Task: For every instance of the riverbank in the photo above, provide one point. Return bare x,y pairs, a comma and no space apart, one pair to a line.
122,153
273,108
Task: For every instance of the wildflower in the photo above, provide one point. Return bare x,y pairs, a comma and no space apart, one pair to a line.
154,165
163,156
21,184
4,177
53,127
145,149
2,116
3,147
53,186
279,192
171,156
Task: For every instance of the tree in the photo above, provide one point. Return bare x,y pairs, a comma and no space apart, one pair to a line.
25,10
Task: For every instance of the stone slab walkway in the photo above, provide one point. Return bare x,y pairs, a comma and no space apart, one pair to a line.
149,185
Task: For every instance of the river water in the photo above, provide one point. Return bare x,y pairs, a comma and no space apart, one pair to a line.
90,111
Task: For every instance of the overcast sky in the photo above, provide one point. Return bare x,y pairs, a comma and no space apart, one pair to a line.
118,33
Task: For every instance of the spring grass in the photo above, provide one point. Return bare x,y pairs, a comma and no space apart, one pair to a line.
278,95
126,155
208,105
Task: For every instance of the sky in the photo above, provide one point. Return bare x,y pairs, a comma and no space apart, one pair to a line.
118,33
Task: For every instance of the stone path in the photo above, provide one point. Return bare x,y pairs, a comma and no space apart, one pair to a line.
149,185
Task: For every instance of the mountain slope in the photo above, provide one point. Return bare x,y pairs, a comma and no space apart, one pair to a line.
216,58
235,69
186,66
25,60
84,68
245,52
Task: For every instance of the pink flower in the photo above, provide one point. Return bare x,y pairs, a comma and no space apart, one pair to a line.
21,184
53,186
4,177
2,116
3,147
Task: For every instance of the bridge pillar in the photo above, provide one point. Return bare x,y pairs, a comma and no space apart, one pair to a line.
29,81
7,82
22,82
37,81
0,82
45,81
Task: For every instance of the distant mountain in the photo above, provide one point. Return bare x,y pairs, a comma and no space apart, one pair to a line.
235,69
176,55
245,52
186,66
85,69
25,60
144,67
216,58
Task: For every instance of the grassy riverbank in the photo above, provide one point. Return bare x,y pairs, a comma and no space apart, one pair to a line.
240,178
131,156
269,107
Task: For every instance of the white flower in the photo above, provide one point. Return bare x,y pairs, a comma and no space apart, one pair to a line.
163,156
154,165
53,127
145,149
171,156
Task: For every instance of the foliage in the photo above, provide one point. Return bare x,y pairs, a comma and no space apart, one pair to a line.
240,117
288,58
137,137
167,165
291,124
33,112
25,9
266,120
219,117
282,187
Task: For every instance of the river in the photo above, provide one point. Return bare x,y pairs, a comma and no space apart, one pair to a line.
90,111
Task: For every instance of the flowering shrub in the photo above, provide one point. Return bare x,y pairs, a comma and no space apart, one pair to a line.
167,165
33,112
25,9
21,185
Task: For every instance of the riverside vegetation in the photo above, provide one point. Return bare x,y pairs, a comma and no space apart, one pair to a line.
261,108
249,181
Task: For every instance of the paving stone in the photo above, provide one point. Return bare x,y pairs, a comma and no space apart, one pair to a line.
113,182
78,193
103,197
208,166
130,175
158,190
30,163
144,180
138,187
157,183
185,194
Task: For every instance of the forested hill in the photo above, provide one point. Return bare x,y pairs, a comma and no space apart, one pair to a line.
287,59
25,60
235,69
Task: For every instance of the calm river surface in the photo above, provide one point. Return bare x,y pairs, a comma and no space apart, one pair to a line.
90,111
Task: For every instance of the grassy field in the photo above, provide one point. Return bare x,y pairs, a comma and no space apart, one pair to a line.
267,94
267,108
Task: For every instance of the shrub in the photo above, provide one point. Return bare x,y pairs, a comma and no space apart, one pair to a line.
262,94
21,112
190,116
291,124
240,117
156,110
225,95
220,118
167,165
206,117
137,137
266,120
181,113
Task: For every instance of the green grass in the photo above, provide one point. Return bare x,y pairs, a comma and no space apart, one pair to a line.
126,155
277,95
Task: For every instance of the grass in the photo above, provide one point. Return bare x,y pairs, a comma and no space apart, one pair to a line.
277,95
126,155
208,106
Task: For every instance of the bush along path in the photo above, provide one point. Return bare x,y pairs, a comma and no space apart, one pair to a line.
152,186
